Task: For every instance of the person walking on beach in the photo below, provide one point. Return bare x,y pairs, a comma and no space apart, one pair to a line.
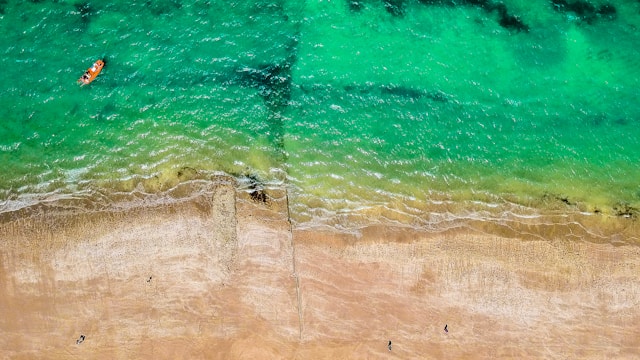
389,346
445,328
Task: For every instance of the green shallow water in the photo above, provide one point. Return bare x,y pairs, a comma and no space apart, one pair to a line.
352,106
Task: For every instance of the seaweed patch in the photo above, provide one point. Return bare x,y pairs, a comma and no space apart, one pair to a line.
551,198
257,192
625,210
187,172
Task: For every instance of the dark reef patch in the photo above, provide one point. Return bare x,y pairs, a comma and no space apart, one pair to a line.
513,22
397,91
585,10
355,5
438,96
402,91
158,8
505,19
272,80
602,120
84,9
395,7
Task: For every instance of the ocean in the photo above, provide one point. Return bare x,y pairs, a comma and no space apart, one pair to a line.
394,109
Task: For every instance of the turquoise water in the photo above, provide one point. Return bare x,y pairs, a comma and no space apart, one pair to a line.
353,105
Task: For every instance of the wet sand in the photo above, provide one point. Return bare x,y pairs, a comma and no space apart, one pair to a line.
223,276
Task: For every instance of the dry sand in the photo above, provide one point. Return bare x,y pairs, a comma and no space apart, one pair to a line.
224,277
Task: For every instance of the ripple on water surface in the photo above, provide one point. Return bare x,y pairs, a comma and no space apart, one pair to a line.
365,105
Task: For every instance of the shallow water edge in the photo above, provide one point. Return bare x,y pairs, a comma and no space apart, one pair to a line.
554,218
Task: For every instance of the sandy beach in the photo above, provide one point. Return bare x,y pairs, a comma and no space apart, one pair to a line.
224,275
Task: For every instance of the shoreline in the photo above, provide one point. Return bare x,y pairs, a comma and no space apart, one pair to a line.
224,274
552,216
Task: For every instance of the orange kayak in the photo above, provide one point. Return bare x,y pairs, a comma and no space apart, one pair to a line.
91,73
